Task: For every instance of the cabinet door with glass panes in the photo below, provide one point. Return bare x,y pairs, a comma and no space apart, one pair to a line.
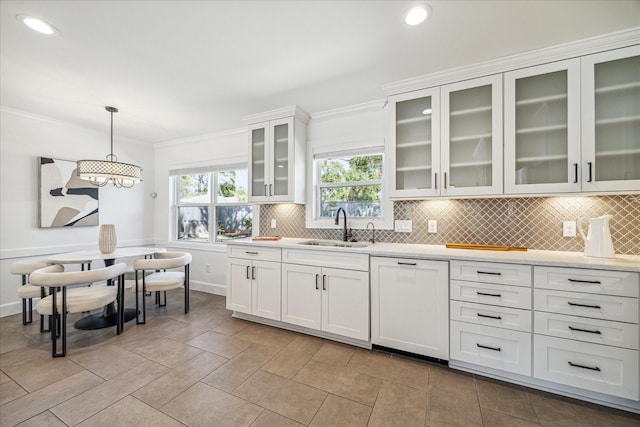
611,120
471,162
542,129
414,144
271,161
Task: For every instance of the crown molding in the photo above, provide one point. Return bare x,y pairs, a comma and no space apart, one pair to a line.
202,138
560,52
366,107
291,111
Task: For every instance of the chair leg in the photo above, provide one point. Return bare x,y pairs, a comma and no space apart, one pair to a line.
59,325
186,288
27,312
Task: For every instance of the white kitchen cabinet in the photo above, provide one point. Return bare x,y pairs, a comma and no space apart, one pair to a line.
253,285
277,149
542,129
611,120
326,299
409,305
414,144
586,329
471,134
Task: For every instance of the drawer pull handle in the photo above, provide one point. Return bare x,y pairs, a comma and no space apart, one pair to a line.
593,282
324,282
494,273
486,294
575,304
591,368
251,253
317,280
248,267
585,330
407,263
253,273
490,348
489,316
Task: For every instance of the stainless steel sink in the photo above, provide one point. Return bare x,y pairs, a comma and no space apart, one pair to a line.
334,244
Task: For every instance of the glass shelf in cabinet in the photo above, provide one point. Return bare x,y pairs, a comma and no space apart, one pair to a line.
539,159
412,168
542,99
618,120
410,144
477,110
472,138
617,88
541,129
411,120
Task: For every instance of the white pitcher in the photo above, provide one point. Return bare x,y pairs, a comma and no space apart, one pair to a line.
597,242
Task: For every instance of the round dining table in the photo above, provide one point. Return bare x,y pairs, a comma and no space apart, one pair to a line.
109,315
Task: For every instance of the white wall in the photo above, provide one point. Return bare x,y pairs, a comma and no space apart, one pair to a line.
24,138
208,268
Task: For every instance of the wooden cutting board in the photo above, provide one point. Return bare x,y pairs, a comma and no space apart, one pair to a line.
484,247
266,238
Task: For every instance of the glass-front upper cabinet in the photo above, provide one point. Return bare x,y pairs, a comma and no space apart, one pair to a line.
276,161
414,144
542,129
611,120
471,129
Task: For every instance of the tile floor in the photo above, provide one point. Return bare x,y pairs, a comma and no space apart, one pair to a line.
208,369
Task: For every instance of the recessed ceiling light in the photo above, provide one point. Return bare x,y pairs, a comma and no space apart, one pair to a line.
417,14
38,25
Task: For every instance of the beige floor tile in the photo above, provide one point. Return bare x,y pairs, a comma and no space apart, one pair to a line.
336,411
341,381
107,361
335,354
203,405
553,411
400,405
32,404
288,362
9,391
45,419
452,400
220,344
136,336
4,378
271,419
266,335
168,352
506,398
85,405
130,412
498,419
231,326
176,381
283,396
407,372
235,371
33,375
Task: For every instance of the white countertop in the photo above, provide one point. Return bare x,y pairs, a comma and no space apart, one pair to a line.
551,258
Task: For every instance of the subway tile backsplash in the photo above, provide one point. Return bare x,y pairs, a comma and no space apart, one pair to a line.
533,222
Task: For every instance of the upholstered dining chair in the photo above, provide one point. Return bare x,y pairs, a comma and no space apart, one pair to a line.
27,292
161,280
62,301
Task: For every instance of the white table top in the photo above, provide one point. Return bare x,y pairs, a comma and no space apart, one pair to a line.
82,257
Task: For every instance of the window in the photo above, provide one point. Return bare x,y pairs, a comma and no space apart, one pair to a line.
353,183
207,198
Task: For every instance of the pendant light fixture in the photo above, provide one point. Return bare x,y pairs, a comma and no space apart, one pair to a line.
100,172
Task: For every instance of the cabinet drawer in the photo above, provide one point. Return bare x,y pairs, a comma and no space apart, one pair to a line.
505,296
621,283
595,367
491,272
489,315
492,347
336,259
604,307
590,330
254,252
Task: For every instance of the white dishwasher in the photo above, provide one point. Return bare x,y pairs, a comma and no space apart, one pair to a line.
410,305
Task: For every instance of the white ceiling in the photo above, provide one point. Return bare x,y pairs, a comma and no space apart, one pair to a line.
177,69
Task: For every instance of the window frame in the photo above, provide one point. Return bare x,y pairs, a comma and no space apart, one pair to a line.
213,203
313,219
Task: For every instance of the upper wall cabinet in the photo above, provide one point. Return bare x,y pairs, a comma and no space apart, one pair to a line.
277,142
471,154
414,144
611,120
542,129
447,141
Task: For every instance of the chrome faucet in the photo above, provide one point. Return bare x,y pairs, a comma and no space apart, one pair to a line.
345,235
373,232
